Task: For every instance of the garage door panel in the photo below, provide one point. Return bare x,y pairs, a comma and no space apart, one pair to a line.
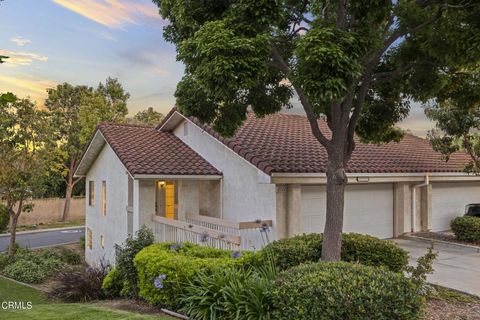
449,200
368,209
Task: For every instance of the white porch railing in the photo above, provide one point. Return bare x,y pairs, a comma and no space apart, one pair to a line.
213,232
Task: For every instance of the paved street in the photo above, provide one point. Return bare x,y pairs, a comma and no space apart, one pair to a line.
456,268
44,239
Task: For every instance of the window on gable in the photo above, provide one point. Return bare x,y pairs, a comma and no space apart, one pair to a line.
102,241
91,193
104,198
89,238
185,128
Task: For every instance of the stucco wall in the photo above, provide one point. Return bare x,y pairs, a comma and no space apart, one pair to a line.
51,210
113,226
247,193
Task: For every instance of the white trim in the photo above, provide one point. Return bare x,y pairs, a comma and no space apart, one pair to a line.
218,141
88,151
178,176
387,174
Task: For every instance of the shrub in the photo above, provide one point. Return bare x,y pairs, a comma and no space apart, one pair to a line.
25,271
4,218
164,269
113,283
79,285
82,242
4,260
229,293
124,255
364,249
345,291
71,257
466,228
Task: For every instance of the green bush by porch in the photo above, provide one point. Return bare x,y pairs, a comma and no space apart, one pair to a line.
176,265
364,249
466,228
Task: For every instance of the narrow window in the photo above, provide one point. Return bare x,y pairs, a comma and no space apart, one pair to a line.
185,128
102,241
104,198
89,238
91,193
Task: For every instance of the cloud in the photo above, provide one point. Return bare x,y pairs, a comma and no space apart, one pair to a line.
19,58
20,41
149,60
115,13
24,85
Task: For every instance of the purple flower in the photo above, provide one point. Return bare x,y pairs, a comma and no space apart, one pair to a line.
204,237
158,282
176,246
236,254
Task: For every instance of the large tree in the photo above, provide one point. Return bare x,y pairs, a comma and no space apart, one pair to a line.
356,64
24,141
148,117
456,112
76,111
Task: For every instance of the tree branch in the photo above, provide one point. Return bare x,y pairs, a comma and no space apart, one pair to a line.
312,118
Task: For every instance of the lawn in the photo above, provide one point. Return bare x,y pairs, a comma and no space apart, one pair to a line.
43,310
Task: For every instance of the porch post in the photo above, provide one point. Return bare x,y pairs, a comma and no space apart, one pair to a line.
294,205
426,208
402,209
136,205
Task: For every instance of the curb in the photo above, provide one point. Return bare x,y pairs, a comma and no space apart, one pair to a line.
19,282
470,248
41,230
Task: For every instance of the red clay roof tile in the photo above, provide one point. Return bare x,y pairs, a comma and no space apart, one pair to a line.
144,150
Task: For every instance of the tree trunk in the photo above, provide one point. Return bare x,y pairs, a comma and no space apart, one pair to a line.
332,236
13,234
68,192
68,198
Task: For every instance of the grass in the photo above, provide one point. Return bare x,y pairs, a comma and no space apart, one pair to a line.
51,225
453,296
12,291
75,311
43,310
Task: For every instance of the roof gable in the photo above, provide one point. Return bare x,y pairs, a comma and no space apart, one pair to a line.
146,151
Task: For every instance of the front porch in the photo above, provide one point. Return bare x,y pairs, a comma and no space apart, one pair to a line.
189,209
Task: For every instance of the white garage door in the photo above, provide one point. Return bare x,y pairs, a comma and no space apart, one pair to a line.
368,209
449,200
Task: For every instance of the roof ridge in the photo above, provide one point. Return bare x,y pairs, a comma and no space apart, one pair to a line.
141,126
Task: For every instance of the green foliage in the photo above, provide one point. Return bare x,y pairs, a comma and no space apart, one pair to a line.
46,262
466,228
148,117
364,249
424,267
26,271
345,291
112,285
165,269
81,242
124,255
230,293
4,218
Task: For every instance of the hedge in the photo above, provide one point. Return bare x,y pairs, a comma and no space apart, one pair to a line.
165,269
364,249
466,228
327,291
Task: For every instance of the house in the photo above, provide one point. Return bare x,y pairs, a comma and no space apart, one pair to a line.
189,184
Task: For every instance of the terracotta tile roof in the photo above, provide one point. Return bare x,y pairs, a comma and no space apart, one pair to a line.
144,150
284,143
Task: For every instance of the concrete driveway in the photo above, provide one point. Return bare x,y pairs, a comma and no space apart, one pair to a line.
456,267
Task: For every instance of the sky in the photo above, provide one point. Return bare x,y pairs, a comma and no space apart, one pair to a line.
85,41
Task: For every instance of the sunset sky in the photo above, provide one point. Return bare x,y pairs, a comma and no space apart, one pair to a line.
86,41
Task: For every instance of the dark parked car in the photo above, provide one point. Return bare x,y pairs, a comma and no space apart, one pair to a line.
472,209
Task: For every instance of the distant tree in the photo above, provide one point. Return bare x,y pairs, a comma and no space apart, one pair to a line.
456,112
3,58
76,111
356,64
24,143
148,117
